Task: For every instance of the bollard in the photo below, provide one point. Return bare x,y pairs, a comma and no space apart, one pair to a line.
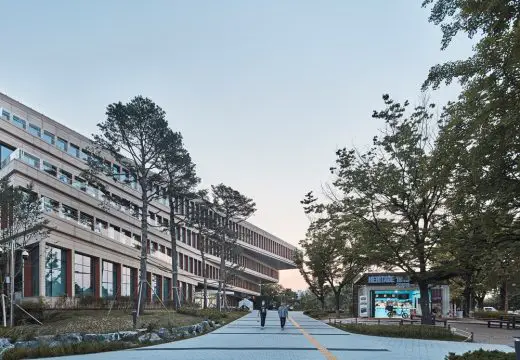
134,318
517,348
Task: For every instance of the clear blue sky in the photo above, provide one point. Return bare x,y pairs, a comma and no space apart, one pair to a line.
263,91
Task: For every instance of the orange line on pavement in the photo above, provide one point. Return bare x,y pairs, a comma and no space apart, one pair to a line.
322,349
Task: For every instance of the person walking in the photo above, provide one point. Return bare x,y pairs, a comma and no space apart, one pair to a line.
283,312
262,313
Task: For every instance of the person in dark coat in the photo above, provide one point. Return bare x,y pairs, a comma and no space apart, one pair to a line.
262,313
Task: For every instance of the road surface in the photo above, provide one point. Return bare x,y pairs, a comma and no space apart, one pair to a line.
303,338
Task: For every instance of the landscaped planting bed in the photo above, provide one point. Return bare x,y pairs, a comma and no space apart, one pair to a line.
402,331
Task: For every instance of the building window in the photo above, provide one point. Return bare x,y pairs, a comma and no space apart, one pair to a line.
48,137
101,227
31,160
70,213
109,280
116,172
61,144
35,130
79,183
50,205
166,288
55,271
127,281
19,122
6,114
65,177
50,169
83,276
73,150
86,220
5,152
155,287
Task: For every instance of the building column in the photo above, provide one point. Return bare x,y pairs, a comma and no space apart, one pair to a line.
118,269
41,264
97,264
69,287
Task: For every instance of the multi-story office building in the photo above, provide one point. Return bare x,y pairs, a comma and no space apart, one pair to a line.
94,250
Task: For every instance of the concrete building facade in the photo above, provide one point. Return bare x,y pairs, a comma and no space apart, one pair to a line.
94,250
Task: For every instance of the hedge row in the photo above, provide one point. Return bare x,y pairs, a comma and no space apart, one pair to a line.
316,314
490,314
402,331
482,355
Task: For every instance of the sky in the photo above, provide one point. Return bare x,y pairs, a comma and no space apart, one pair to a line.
264,92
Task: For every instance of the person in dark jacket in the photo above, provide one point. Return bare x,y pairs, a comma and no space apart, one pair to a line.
262,313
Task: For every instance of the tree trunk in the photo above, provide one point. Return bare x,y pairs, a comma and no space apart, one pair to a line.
467,300
322,301
424,301
143,282
504,303
175,261
337,297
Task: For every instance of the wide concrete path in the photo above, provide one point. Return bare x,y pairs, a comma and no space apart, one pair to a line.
303,338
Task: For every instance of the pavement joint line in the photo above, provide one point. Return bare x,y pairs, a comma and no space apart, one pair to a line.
256,348
328,355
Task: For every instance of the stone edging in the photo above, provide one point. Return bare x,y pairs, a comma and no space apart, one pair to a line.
138,336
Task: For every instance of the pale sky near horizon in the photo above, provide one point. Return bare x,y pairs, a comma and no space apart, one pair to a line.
263,92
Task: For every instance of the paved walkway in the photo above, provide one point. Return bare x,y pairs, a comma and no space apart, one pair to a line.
303,338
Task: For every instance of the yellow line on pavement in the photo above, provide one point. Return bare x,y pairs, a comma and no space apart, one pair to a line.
328,355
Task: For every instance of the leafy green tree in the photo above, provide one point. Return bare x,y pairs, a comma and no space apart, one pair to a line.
136,136
312,263
332,240
231,208
484,120
391,197
181,181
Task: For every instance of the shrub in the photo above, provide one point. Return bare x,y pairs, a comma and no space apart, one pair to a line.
316,314
489,314
402,331
482,355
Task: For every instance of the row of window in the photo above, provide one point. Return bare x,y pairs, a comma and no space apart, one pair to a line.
125,236
187,236
191,238
182,206
85,277
162,252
